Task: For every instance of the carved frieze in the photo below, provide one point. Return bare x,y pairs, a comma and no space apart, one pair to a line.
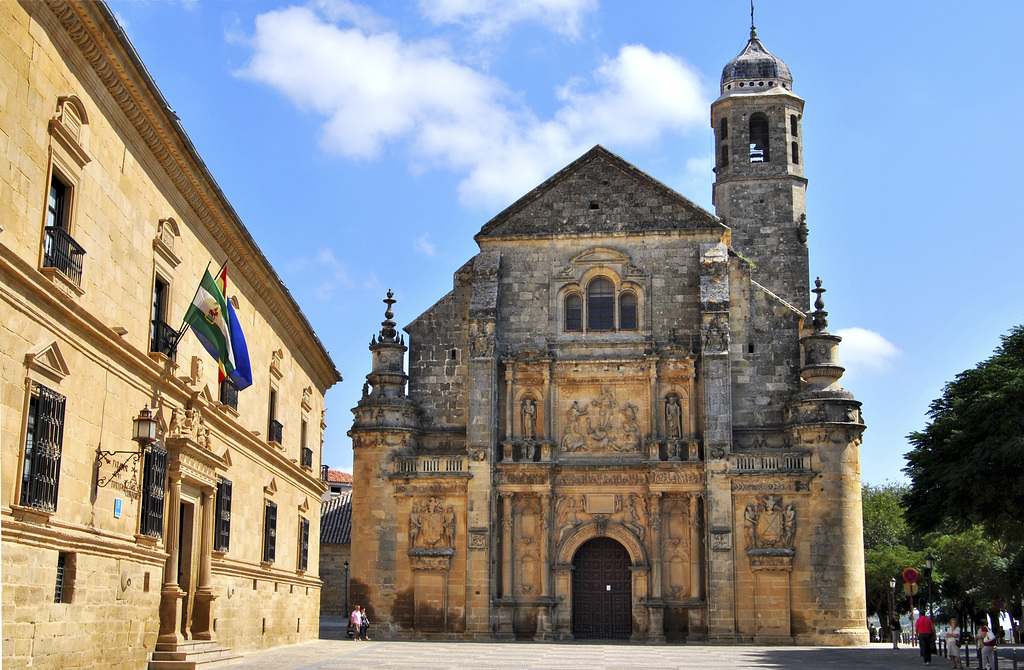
420,487
676,477
522,477
601,479
601,424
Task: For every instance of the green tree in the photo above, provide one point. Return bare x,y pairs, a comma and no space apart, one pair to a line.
967,465
889,547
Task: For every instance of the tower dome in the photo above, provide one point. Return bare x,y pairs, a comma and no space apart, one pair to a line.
755,68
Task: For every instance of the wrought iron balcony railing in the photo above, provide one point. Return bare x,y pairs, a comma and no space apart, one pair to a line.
163,338
60,251
229,394
274,431
307,457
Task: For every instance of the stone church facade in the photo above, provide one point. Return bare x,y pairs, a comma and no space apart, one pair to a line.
624,421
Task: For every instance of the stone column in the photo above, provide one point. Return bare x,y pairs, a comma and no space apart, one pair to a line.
509,404
544,623
505,616
697,619
202,615
656,606
170,593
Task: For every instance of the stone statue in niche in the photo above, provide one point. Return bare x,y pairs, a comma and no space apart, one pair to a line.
769,523
529,417
431,525
673,417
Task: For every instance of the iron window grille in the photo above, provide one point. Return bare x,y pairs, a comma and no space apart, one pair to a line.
223,533
270,532
43,445
154,486
58,591
303,543
307,457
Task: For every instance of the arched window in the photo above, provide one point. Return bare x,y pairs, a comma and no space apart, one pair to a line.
627,311
758,138
574,313
601,305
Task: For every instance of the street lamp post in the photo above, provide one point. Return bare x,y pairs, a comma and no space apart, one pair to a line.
929,563
892,610
346,587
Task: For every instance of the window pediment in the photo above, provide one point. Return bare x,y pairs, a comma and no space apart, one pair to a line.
48,360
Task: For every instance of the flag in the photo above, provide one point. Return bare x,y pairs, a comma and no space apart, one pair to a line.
241,375
208,316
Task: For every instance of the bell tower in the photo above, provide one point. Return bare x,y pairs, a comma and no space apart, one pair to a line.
760,188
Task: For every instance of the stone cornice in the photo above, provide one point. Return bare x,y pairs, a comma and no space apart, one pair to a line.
95,32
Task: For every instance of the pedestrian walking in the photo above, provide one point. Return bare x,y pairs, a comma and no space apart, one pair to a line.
987,640
364,624
953,643
925,636
355,624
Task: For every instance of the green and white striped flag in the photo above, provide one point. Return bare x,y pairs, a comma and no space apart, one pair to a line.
208,316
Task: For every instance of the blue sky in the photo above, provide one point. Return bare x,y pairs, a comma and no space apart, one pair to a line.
364,144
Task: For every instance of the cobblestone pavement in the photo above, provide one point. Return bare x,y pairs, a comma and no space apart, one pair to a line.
349,655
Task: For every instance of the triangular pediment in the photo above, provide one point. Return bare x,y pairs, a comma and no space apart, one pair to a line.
47,359
270,488
599,192
304,507
226,458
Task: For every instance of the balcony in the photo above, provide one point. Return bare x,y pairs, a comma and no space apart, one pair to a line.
62,253
229,394
164,339
274,431
432,465
307,457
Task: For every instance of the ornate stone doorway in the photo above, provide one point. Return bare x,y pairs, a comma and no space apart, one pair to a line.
602,591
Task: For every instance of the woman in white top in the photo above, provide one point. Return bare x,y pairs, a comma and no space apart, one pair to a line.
988,648
953,643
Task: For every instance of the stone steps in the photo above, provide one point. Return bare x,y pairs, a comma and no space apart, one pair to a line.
191,655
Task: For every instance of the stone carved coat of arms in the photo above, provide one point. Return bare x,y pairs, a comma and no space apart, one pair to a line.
770,524
432,525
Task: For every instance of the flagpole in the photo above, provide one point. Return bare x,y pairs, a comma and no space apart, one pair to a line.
184,323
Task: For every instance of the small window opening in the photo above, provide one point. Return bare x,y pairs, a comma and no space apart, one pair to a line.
723,126
594,204
64,585
725,155
574,313
759,139
454,354
750,348
792,125
627,312
601,305
796,153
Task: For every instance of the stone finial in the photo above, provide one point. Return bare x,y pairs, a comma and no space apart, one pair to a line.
388,332
820,321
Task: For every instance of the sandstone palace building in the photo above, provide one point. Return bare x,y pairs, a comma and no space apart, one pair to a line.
191,543
624,421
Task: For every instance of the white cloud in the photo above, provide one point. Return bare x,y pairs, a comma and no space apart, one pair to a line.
866,348
378,90
425,246
325,266
491,18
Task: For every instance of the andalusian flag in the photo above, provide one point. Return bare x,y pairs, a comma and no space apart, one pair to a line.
241,375
209,317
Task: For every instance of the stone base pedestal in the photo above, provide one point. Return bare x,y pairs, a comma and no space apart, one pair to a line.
171,600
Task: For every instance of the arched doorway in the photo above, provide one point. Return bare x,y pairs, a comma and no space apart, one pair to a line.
602,591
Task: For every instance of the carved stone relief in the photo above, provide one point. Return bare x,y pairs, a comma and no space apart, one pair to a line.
481,338
601,424
189,424
432,525
769,523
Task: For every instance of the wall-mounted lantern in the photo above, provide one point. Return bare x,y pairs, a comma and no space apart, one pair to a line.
124,476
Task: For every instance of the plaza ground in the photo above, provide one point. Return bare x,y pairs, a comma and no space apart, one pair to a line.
333,651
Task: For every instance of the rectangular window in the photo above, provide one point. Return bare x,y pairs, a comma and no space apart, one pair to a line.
303,543
792,125
222,539
274,427
154,485
162,336
574,313
60,251
229,393
307,453
64,585
43,444
270,532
